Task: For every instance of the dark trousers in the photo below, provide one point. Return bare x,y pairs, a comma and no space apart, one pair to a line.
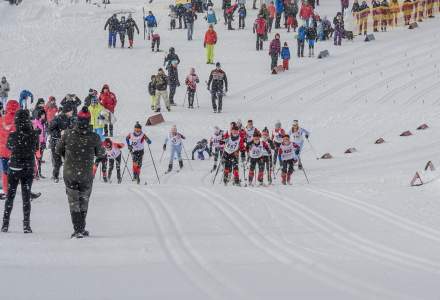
191,95
172,93
25,177
241,22
108,129
217,95
287,169
259,44
275,153
277,21
231,165
138,157
122,38
270,24
300,50
78,195
253,163
57,162
111,164
273,61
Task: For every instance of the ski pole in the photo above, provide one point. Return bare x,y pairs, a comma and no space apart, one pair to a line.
304,171
216,172
126,166
154,164
187,157
161,156
313,149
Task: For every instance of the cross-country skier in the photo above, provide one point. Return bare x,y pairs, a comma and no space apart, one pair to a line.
150,19
22,143
79,146
155,42
24,96
135,142
241,16
191,82
250,130
113,154
267,155
175,139
277,138
233,145
255,151
216,145
297,135
200,148
289,155
131,26
217,79
113,26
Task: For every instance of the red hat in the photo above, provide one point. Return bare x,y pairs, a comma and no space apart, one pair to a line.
84,113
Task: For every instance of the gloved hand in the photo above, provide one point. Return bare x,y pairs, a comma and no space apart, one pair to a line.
148,141
130,148
164,147
297,151
307,136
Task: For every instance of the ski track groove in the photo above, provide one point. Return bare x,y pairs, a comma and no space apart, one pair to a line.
327,275
210,284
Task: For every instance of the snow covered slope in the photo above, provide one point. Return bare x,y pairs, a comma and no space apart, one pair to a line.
358,231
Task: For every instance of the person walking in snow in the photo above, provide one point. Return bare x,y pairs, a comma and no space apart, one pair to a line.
274,51
311,39
230,15
79,147
150,19
113,27
4,92
241,16
97,117
211,18
122,30
191,82
131,26
255,150
24,96
22,143
173,81
233,145
285,56
109,101
338,22
209,43
190,16
260,29
175,139
135,142
217,80
161,85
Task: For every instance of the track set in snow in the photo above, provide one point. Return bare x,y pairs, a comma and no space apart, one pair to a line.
357,231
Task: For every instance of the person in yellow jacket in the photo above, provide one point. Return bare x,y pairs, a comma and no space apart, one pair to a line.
394,12
97,120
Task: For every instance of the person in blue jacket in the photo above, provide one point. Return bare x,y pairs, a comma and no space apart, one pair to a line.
285,56
151,23
301,37
279,8
24,96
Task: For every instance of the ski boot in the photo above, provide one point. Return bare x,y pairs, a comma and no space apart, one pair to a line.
119,180
181,164
5,226
105,179
214,168
237,181
77,235
35,196
170,168
138,179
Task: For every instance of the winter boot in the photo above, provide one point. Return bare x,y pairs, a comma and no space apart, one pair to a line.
76,221
283,178
181,164
170,168
83,224
26,227
5,225
119,180
35,195
288,179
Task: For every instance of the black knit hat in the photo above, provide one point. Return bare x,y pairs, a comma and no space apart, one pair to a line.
137,125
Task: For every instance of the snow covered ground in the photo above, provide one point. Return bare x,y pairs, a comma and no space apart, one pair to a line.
357,231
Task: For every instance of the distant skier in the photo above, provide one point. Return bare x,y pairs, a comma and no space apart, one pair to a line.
217,80
79,146
234,144
175,139
288,152
173,80
255,151
267,154
338,21
113,27
201,147
24,96
216,145
135,142
152,92
191,82
114,154
131,26
277,138
150,19
301,37
311,39
297,135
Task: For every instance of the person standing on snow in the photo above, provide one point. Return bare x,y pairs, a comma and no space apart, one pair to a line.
190,16
175,139
40,124
241,16
217,79
23,143
297,134
60,123
4,92
113,26
209,43
161,86
122,30
51,109
173,80
97,117
279,9
135,142
211,17
260,28
131,26
191,82
274,51
109,101
24,96
233,145
79,147
150,19
338,21
364,12
285,56
73,101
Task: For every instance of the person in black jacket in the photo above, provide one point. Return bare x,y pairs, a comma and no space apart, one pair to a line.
79,147
39,106
71,100
215,84
23,143
92,94
113,26
122,30
173,81
131,26
190,16
60,123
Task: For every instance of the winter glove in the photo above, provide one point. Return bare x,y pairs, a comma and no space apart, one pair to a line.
297,151
148,141
130,148
164,147
307,136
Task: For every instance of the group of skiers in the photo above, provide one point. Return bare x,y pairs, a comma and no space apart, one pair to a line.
255,150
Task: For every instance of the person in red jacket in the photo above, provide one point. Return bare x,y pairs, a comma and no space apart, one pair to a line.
306,13
51,109
6,127
109,101
209,42
260,28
